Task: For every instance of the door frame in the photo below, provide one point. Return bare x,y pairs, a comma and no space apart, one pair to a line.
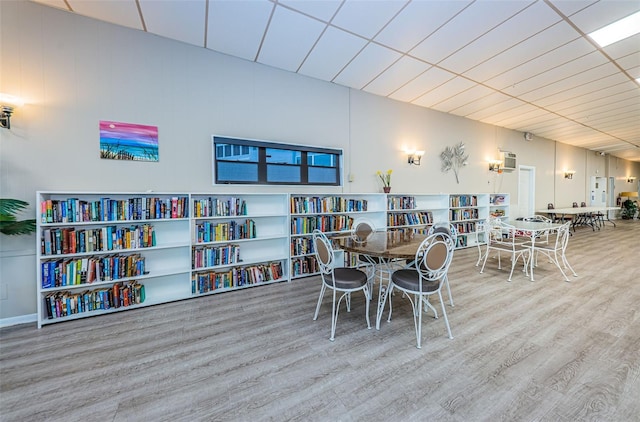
531,193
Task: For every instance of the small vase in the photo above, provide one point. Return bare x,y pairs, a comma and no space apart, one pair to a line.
386,189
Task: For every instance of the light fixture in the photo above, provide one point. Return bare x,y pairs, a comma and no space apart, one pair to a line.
494,165
619,30
414,157
631,179
568,174
7,104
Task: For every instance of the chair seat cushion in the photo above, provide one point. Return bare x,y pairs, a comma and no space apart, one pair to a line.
409,280
349,278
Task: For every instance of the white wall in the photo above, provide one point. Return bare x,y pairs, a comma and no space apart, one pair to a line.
73,72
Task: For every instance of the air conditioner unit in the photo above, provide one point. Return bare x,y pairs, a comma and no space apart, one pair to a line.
508,160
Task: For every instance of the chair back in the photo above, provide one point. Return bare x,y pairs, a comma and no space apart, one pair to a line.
361,229
446,228
562,237
583,204
323,251
537,219
434,257
575,205
550,206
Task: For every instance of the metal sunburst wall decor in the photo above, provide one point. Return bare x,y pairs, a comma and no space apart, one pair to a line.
453,158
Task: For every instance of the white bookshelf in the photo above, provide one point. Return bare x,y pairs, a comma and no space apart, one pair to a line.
331,213
109,230
465,210
416,211
499,205
238,241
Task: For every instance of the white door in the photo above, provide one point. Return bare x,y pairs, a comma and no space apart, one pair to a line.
598,191
526,191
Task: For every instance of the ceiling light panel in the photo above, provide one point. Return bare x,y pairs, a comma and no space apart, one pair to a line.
603,13
183,21
416,21
325,60
366,18
124,13
371,61
617,31
289,39
405,69
237,27
475,20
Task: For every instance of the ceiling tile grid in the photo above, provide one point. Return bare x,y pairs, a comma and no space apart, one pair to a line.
525,65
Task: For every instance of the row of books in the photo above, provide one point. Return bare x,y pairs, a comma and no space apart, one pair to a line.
69,240
409,218
105,209
464,201
325,223
72,272
401,202
301,246
236,277
463,214
304,265
219,207
62,304
317,204
497,213
465,228
232,230
210,256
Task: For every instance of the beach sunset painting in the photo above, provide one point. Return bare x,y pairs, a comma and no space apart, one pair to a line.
128,141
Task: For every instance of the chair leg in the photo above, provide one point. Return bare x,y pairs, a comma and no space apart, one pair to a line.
417,320
334,314
322,290
367,296
446,320
446,280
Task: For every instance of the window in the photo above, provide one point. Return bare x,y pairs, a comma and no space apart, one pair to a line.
244,161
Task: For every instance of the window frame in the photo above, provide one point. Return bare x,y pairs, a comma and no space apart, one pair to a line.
217,140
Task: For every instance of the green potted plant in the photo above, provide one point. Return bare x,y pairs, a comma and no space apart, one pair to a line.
629,209
9,223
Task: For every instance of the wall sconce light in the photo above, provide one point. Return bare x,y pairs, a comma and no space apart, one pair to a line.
7,104
568,174
414,157
631,179
494,165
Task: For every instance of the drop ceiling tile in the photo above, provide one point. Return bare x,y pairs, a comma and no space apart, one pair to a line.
58,4
325,60
602,13
541,64
427,81
523,25
598,99
405,69
499,105
123,13
582,83
237,27
527,88
416,21
444,92
320,9
543,42
619,101
366,18
183,21
477,19
623,47
470,100
366,66
289,39
630,61
569,7
515,113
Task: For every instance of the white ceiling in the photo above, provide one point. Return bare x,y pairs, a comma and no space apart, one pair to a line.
520,64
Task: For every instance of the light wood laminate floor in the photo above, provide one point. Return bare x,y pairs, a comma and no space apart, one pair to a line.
547,350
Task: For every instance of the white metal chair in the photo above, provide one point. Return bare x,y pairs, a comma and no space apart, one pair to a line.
480,239
555,249
503,238
339,280
432,259
450,229
361,230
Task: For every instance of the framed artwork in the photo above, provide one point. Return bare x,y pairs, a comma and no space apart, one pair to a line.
128,141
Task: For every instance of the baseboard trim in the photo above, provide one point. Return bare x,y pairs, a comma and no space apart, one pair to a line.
22,319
